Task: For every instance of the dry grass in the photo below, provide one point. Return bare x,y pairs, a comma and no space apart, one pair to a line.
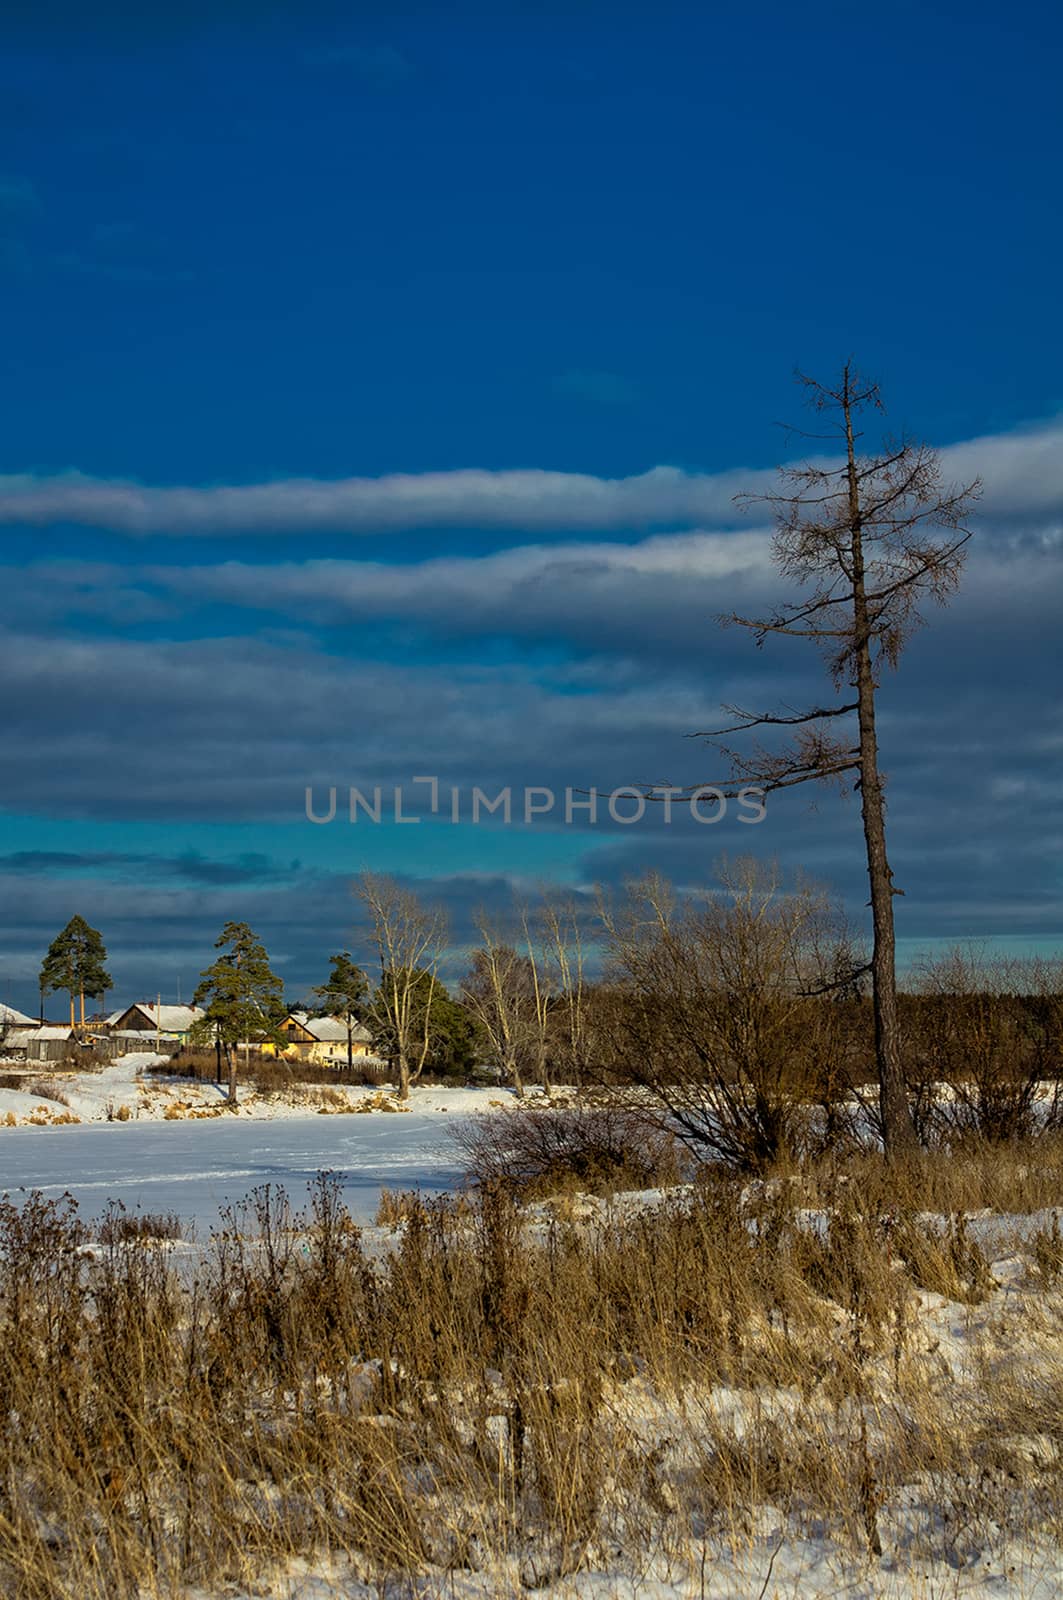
522,1398
269,1074
594,1147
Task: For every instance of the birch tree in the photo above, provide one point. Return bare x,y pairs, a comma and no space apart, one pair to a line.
500,991
563,941
409,939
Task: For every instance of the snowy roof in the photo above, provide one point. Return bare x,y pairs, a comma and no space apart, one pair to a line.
19,1038
53,1033
17,1019
170,1019
329,1030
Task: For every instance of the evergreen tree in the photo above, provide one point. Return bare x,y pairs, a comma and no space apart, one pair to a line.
76,961
344,995
242,997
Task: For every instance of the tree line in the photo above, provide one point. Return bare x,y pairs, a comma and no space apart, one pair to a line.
740,1014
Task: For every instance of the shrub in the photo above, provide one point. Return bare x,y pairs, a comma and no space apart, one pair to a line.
596,1148
117,1225
46,1089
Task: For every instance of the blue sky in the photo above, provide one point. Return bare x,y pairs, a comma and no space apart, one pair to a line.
440,287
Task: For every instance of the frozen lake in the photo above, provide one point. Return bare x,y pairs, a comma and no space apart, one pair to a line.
195,1167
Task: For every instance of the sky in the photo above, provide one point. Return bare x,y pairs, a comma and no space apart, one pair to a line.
377,381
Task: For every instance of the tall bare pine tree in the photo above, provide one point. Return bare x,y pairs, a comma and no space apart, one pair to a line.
869,535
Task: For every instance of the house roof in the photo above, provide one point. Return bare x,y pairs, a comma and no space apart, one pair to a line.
169,1019
16,1019
329,1030
19,1039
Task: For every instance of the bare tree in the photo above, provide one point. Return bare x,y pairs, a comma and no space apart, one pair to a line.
721,1015
500,992
870,537
562,938
409,939
542,990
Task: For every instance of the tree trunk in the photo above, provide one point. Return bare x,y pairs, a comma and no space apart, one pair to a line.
73,1020
350,1044
898,1129
230,1056
404,1076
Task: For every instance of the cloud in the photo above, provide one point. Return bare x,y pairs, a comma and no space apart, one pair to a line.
232,729
653,600
252,868
650,597
1022,475
529,498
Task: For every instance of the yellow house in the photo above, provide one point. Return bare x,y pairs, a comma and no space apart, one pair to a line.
322,1040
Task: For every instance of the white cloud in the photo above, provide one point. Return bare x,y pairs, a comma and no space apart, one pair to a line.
530,499
1022,474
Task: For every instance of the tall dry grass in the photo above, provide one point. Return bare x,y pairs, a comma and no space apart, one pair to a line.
481,1393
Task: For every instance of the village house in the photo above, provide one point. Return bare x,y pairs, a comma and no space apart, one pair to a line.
171,1022
322,1040
61,1043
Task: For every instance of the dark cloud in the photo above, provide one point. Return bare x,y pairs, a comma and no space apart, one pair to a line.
191,868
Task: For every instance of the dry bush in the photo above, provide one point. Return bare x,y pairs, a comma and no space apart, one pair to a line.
118,1224
985,1047
270,1074
519,1400
725,1014
597,1148
47,1089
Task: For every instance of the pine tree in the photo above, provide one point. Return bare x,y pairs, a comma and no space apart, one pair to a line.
76,961
242,997
870,537
344,995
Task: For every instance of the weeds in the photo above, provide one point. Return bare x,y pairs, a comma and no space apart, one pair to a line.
512,1394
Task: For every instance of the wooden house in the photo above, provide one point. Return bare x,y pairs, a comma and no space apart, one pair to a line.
146,1017
322,1040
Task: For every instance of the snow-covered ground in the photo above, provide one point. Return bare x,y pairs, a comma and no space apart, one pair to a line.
177,1148
128,1090
193,1165
192,1168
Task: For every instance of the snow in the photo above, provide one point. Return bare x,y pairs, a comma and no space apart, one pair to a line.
168,1019
330,1030
15,1019
772,1563
193,1167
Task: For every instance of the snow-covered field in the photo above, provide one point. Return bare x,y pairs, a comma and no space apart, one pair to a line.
192,1168
166,1154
